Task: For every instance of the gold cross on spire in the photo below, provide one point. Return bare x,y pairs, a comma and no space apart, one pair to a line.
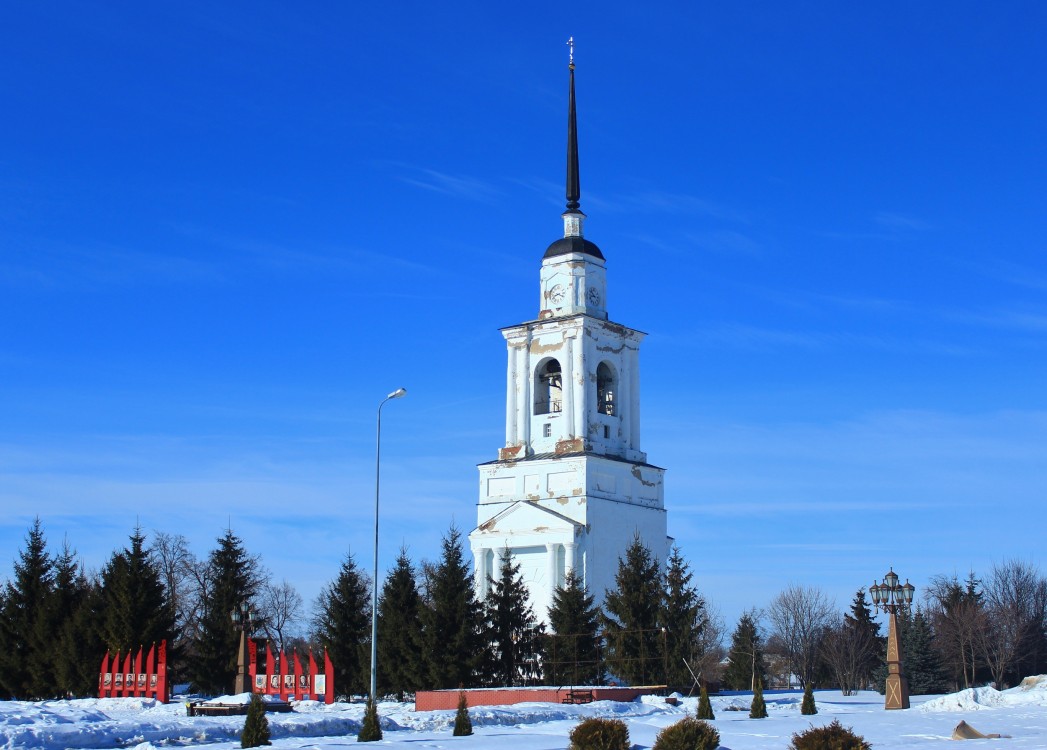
570,43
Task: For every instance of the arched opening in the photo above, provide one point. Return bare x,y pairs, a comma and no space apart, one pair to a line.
548,388
605,390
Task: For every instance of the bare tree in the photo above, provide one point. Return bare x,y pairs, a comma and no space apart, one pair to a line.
280,610
171,554
800,616
1015,604
847,651
709,665
957,615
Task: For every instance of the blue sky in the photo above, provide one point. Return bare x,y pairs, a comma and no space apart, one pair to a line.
227,232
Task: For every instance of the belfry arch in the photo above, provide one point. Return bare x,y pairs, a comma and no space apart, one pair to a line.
548,387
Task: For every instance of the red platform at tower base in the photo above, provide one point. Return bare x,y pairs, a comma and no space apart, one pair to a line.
435,700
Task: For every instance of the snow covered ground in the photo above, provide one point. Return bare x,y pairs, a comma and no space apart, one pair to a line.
144,724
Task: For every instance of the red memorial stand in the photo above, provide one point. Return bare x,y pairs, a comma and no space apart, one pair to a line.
144,676
288,679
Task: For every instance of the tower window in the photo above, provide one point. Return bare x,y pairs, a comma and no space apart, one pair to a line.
605,390
548,389
606,432
547,430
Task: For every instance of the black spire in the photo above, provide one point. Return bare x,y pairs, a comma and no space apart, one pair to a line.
574,191
572,241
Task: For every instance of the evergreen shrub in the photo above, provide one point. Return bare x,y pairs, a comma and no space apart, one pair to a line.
463,725
831,737
807,707
256,725
371,731
688,733
705,707
758,709
600,734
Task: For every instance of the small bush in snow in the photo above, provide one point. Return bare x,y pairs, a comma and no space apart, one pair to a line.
688,733
831,737
463,725
807,708
256,725
371,731
600,734
705,707
758,709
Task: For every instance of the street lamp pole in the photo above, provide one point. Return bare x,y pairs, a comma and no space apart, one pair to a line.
242,616
398,393
891,598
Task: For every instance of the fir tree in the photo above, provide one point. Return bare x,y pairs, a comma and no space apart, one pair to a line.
705,706
923,666
758,709
77,607
135,608
463,725
573,654
256,725
510,628
343,627
453,620
400,642
5,693
683,617
634,639
745,665
231,577
26,669
865,632
807,707
371,731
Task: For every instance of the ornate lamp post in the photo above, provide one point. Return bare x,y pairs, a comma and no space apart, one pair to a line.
242,617
398,393
891,598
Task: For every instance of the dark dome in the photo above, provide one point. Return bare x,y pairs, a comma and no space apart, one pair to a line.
568,245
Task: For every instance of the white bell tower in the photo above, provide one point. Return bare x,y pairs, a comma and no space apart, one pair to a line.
571,489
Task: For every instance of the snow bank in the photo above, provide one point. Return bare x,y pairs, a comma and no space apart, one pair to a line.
1031,692
971,699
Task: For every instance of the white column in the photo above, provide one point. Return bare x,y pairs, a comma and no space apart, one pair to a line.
578,383
634,398
480,558
551,550
512,397
569,550
570,403
525,407
625,399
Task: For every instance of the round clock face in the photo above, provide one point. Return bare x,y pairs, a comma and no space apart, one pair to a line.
557,294
593,295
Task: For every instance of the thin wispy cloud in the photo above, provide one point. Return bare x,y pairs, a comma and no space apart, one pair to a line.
744,336
877,305
1017,274
726,242
456,186
888,227
52,264
264,254
900,221
657,201
1024,321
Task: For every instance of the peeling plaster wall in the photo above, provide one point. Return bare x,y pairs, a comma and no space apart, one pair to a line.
609,501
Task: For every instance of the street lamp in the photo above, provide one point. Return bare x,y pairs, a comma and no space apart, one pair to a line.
891,598
242,616
398,393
